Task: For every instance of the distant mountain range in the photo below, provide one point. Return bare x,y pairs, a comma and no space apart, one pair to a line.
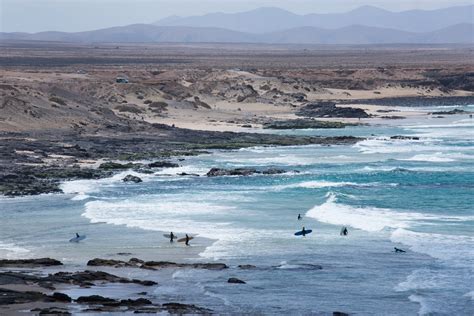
265,20
366,25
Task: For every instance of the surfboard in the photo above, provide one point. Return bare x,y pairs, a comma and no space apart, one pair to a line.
77,239
169,236
300,233
184,239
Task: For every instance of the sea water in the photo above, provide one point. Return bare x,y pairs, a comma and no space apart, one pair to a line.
414,194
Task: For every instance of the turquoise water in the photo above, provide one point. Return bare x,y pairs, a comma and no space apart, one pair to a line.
413,194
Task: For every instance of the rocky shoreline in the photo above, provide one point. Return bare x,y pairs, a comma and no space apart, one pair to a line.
44,294
418,101
33,163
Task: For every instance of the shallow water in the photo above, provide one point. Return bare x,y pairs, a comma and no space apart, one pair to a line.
412,194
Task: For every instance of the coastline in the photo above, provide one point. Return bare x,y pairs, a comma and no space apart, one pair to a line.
73,122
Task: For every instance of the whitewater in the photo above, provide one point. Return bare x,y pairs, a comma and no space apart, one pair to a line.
414,193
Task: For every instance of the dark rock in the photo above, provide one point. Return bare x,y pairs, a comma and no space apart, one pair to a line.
95,299
61,297
329,109
108,262
166,264
273,171
339,314
246,266
452,112
136,261
393,117
216,172
246,126
136,302
28,263
402,137
187,174
144,282
163,164
8,297
236,281
416,101
178,308
51,311
118,166
132,178
298,97
86,278
304,124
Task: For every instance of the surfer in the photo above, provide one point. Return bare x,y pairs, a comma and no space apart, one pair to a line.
299,217
187,240
172,237
304,232
398,249
344,231
77,235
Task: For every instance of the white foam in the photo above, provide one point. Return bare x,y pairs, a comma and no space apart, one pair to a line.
470,295
371,219
390,146
80,197
368,218
189,169
277,159
327,184
83,187
436,157
424,307
422,279
316,184
12,251
457,249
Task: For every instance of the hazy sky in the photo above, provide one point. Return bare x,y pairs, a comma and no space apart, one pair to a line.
81,15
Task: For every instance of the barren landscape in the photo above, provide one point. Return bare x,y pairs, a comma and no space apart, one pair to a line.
62,109
88,111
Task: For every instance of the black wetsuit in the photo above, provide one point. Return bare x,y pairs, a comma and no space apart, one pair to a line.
187,240
171,237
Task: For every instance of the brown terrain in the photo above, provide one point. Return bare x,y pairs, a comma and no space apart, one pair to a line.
61,107
63,115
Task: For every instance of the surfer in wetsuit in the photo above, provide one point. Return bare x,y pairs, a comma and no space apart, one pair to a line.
299,217
77,235
187,240
304,232
398,249
172,236
344,231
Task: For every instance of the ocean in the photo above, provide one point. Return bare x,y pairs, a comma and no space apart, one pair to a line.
413,194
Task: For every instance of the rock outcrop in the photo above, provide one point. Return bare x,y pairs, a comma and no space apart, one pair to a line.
304,124
163,164
329,109
29,263
218,172
132,178
154,265
236,281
